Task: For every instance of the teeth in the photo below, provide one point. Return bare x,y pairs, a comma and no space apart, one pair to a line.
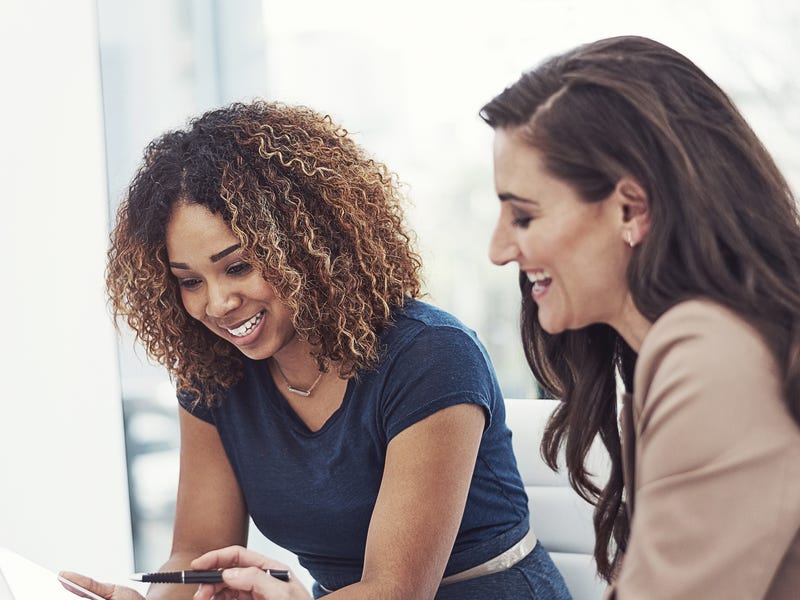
539,276
540,280
248,326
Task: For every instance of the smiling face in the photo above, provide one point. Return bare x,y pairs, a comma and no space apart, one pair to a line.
571,250
220,289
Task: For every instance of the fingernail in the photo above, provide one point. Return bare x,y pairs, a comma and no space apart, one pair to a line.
230,573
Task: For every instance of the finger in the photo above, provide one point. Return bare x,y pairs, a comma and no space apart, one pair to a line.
205,591
252,581
231,594
235,556
106,590
215,591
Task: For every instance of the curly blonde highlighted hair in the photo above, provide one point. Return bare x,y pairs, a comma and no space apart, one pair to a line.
320,220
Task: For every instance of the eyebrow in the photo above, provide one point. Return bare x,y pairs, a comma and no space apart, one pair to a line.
214,257
224,253
508,196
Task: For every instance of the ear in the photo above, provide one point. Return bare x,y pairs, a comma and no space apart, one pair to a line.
635,210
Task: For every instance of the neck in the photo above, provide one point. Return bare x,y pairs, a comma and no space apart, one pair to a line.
632,326
297,383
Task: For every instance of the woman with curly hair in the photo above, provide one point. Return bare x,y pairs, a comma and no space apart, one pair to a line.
261,256
659,246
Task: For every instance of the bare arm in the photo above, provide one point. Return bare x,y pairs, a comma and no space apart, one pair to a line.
210,510
420,505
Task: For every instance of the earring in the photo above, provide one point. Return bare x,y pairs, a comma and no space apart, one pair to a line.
629,238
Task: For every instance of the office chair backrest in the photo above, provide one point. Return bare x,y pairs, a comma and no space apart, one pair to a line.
561,519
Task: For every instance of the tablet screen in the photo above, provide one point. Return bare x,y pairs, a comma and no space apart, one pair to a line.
79,590
23,579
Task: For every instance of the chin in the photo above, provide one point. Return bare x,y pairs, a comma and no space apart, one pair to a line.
560,325
556,328
253,352
550,328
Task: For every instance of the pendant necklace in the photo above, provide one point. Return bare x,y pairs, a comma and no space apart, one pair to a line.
294,390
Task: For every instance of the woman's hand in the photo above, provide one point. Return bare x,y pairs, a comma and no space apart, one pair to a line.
108,591
244,578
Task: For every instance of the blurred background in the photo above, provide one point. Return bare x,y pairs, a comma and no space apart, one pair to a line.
406,79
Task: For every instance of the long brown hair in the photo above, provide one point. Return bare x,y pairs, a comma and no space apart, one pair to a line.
723,225
320,219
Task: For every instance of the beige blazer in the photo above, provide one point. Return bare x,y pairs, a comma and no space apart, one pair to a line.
711,460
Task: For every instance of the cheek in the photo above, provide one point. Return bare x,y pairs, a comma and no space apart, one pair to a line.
259,289
192,304
539,243
529,241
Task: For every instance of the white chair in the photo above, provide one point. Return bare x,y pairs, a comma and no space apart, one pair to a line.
561,519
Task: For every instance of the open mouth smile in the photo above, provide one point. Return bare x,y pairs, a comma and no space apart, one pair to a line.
540,280
247,326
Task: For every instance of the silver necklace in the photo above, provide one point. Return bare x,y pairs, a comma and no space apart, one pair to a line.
294,390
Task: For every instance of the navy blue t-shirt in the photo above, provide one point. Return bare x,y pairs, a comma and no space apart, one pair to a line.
313,492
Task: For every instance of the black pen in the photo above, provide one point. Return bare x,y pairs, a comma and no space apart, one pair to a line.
212,576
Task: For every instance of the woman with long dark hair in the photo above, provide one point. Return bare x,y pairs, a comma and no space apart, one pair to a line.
659,251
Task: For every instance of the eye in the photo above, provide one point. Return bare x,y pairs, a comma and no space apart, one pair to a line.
240,268
521,222
189,284
520,218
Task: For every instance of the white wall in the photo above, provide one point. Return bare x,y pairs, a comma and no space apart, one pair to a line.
63,488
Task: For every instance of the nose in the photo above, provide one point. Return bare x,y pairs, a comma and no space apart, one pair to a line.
503,248
222,299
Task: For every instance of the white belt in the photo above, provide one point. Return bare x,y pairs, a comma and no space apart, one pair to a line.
499,563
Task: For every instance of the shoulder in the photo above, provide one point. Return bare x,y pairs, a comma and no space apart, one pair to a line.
699,315
427,315
427,348
704,331
431,361
420,323
699,348
204,399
